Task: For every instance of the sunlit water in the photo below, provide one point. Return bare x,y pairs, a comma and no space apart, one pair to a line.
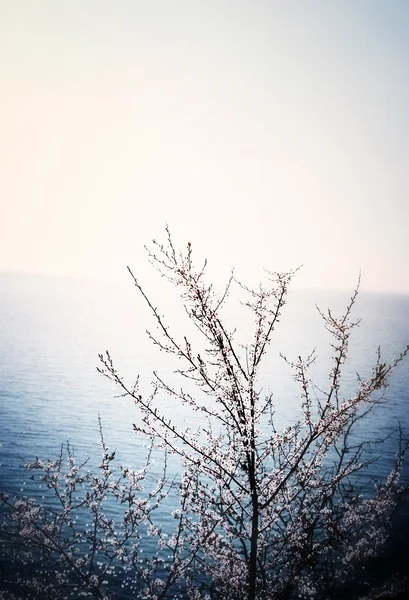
51,331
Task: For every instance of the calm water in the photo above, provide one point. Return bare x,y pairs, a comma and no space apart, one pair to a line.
51,331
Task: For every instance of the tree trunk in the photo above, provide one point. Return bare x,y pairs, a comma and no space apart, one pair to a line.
253,548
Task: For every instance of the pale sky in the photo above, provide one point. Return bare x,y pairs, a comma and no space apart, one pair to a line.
267,133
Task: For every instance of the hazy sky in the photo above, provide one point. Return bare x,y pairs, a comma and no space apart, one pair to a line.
267,133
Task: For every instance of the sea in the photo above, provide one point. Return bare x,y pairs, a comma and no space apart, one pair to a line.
52,330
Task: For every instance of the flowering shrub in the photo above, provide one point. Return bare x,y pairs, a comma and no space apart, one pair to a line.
263,513
68,547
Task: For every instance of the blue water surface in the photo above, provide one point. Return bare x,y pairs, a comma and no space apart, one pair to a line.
52,329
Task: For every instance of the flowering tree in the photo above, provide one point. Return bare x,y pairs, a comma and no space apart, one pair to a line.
263,513
267,513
